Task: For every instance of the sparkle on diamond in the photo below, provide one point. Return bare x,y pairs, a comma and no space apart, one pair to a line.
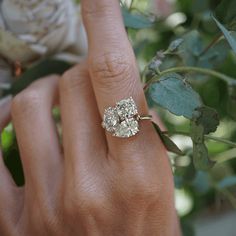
127,128
121,120
110,119
126,108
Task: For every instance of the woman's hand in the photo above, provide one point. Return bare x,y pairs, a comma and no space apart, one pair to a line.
92,183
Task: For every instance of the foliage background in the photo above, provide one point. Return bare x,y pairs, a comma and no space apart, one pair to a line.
202,44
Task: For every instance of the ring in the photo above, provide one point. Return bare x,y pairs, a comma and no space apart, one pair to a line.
122,120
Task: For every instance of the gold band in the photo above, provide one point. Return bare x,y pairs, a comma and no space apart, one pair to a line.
146,117
122,120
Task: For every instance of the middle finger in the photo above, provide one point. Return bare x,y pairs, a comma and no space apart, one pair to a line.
36,134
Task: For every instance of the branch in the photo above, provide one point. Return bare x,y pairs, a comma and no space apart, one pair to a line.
212,43
217,139
227,79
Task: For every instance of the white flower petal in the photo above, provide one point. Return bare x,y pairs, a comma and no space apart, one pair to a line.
47,27
5,75
15,49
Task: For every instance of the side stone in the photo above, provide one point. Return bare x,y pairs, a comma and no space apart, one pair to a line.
111,119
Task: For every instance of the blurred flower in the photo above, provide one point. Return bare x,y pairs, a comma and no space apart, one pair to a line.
5,75
162,8
30,30
46,26
183,202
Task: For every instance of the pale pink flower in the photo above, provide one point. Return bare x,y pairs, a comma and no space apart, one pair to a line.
161,8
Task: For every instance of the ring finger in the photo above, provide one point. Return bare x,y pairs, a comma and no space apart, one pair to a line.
112,66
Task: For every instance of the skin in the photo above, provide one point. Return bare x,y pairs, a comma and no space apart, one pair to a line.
90,183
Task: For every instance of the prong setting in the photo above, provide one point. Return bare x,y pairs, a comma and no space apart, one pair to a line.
122,120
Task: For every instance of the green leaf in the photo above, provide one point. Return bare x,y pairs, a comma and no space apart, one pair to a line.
200,6
200,153
227,34
201,183
169,144
175,44
176,95
227,182
191,48
135,20
195,52
187,228
208,118
226,11
38,71
231,103
215,55
200,157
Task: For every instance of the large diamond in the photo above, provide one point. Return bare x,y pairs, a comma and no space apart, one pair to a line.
110,119
127,128
126,108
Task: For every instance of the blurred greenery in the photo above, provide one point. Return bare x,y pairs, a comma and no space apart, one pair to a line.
197,43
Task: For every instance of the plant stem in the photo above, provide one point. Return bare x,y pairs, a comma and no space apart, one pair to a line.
221,140
184,69
212,43
224,156
230,196
200,70
131,4
217,139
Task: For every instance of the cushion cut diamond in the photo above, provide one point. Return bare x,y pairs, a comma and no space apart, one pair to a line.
127,128
122,120
110,119
127,108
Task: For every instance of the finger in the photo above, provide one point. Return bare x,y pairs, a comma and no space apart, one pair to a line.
5,107
8,190
6,179
112,64
36,134
82,133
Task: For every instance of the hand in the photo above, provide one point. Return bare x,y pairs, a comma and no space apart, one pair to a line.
96,184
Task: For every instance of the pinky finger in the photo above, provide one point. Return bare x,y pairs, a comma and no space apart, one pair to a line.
9,205
5,108
5,177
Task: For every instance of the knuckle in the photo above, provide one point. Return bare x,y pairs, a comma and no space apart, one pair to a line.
140,186
49,223
95,9
112,70
26,102
73,79
86,203
48,217
90,207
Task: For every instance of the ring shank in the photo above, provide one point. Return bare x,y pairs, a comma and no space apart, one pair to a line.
146,117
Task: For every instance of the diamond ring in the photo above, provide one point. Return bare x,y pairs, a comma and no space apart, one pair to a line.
122,120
